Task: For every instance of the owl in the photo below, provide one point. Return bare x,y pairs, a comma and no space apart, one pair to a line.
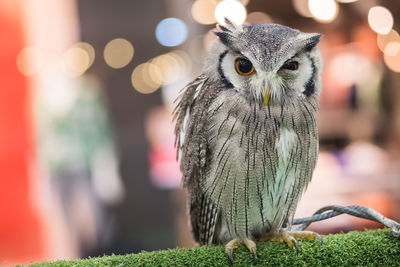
247,137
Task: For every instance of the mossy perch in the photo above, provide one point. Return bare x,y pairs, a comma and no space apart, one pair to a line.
368,248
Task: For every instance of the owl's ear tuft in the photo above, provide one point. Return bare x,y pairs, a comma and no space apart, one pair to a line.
312,41
223,28
228,32
230,24
224,37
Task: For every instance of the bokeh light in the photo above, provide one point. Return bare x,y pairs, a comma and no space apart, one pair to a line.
384,39
172,65
231,9
167,66
89,49
380,19
76,61
392,49
301,7
393,62
184,61
30,60
146,78
324,11
118,53
203,11
171,32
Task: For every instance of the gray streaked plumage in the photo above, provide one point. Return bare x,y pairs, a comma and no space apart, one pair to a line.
246,163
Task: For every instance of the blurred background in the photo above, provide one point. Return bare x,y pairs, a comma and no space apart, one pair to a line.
87,160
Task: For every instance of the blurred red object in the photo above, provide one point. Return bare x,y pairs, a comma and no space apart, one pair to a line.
20,227
163,164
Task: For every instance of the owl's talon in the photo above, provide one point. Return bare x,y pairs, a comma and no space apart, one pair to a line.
234,243
254,256
307,235
296,245
230,256
290,237
318,237
291,242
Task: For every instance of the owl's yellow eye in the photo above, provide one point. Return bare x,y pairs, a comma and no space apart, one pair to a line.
243,66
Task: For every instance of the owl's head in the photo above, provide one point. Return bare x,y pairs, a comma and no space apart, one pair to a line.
269,63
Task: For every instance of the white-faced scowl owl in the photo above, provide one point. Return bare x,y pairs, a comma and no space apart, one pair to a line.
247,137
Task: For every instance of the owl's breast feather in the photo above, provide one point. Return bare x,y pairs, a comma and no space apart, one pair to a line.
276,203
285,143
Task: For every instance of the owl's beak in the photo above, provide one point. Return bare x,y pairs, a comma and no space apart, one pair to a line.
266,98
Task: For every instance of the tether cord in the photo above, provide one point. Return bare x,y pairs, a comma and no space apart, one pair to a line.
357,211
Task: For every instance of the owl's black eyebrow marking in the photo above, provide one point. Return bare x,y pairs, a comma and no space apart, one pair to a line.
310,85
227,83
224,37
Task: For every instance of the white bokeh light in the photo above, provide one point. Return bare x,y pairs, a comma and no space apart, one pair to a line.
232,10
324,11
380,19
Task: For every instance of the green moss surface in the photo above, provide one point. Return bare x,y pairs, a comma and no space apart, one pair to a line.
368,248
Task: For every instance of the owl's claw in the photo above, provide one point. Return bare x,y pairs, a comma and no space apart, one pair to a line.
282,236
290,237
307,235
254,255
234,243
296,245
229,253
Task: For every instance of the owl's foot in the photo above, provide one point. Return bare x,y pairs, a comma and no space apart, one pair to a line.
290,237
234,243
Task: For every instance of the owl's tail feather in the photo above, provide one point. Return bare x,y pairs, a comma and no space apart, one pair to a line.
357,211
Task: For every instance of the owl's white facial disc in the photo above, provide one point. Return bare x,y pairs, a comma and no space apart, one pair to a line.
279,83
286,62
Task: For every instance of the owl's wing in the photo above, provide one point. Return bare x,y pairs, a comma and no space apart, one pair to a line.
191,122
182,112
203,218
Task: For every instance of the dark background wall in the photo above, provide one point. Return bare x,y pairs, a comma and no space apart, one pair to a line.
145,219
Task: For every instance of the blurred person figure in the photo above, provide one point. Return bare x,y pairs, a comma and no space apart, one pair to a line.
76,151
